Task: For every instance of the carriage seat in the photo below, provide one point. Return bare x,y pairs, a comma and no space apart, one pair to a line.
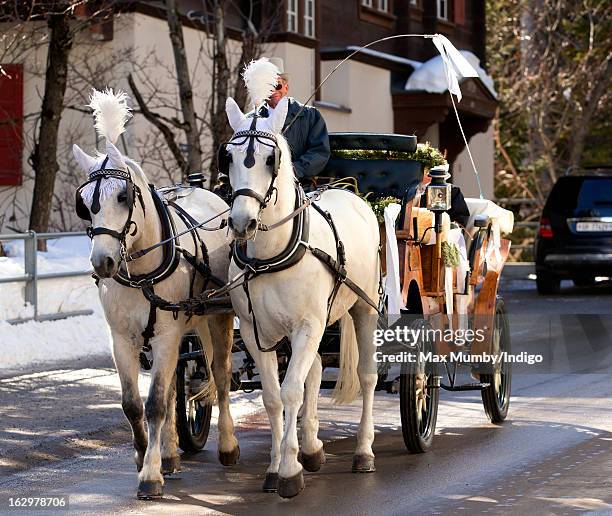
382,177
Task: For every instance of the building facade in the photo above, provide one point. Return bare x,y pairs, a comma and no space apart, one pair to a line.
394,86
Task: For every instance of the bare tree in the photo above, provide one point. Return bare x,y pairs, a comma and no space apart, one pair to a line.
44,157
223,70
551,63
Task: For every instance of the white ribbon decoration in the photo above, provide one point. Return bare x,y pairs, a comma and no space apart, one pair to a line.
393,290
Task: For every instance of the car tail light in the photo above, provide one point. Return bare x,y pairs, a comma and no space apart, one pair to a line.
545,228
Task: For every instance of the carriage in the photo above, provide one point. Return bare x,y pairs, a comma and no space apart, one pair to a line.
434,294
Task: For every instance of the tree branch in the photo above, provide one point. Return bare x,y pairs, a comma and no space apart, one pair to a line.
166,132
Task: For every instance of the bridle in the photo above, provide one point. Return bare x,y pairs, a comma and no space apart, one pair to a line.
132,192
224,158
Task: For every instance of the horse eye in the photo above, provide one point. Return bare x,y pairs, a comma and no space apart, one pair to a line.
270,161
122,197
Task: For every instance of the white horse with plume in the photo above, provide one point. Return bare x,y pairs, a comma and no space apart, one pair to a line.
293,302
127,310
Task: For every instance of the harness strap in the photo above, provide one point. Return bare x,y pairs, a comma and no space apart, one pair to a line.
148,334
340,272
249,193
341,259
245,286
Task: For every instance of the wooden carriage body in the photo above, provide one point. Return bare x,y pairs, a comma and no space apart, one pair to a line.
420,266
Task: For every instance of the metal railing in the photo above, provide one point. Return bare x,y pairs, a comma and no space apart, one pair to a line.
31,276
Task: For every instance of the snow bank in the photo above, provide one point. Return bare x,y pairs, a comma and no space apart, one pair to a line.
431,77
54,295
34,342
22,345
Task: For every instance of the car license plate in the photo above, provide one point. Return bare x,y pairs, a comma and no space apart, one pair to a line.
594,226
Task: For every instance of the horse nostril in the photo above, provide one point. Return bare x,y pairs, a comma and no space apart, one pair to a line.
252,225
110,263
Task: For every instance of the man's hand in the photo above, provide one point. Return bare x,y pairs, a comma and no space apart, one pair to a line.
223,188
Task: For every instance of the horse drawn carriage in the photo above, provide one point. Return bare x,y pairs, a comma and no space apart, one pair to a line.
308,292
433,294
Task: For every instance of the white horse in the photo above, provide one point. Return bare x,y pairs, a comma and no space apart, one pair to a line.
127,310
293,302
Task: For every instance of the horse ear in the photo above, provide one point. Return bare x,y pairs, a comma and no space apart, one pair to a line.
114,155
235,116
84,160
279,115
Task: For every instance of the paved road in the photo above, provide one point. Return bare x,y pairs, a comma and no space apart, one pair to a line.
63,432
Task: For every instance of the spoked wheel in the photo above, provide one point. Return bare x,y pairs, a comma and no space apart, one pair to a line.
419,396
192,415
496,397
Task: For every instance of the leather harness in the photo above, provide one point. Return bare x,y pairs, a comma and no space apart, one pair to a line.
297,246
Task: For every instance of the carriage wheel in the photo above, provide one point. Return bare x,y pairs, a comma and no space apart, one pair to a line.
496,397
419,397
192,416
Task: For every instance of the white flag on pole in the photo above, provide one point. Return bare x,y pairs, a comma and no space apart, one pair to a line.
455,64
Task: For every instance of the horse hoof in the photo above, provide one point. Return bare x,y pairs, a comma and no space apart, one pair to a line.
313,461
229,458
290,487
363,464
150,490
170,465
270,484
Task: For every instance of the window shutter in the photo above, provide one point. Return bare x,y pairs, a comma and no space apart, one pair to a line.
11,124
459,17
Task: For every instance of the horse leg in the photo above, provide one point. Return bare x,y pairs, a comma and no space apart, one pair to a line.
267,365
221,329
171,461
125,355
165,356
312,454
304,343
365,321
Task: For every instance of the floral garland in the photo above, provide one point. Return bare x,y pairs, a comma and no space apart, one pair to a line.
425,153
429,156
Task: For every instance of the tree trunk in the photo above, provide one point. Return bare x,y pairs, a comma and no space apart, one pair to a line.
582,121
194,150
220,130
44,156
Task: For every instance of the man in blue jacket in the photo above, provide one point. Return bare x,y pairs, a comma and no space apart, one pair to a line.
307,135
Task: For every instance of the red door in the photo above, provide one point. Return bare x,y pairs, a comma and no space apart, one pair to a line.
11,124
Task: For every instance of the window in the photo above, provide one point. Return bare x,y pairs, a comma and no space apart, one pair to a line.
414,2
292,16
383,5
11,124
443,9
309,18
367,3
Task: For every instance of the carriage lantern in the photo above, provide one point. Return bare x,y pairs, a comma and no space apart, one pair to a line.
439,191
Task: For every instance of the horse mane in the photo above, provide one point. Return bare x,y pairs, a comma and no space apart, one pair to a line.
285,155
110,111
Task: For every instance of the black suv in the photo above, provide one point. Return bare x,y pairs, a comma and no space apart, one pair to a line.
574,239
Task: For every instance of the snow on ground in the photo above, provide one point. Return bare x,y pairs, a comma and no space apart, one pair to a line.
41,342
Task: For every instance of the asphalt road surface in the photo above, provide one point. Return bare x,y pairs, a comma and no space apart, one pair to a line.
63,432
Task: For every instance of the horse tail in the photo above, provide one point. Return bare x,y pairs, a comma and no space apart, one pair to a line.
209,388
347,386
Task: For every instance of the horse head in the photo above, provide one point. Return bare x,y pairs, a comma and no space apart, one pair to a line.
254,158
108,198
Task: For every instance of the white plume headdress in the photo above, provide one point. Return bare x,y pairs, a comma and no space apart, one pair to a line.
111,112
260,78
